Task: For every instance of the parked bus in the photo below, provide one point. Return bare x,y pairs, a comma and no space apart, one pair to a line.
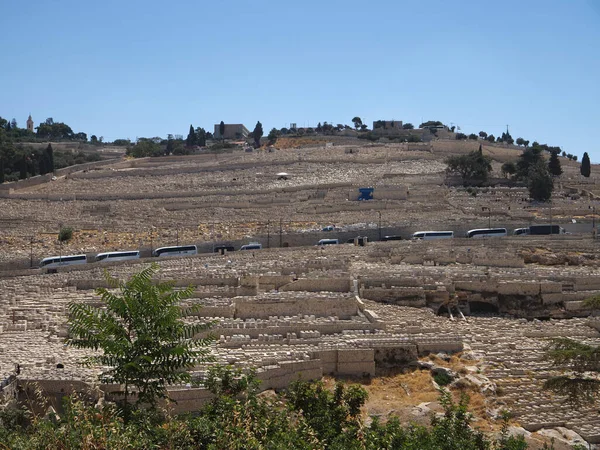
545,229
252,246
329,241
117,256
486,232
67,260
430,235
180,250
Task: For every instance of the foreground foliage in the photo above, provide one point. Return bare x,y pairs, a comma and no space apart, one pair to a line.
145,344
307,416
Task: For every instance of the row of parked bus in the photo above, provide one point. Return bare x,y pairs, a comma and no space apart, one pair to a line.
179,250
534,230
183,250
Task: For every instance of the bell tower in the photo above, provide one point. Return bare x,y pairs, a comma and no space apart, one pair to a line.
30,124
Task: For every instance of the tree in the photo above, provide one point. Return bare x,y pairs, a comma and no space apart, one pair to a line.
539,182
508,168
357,122
581,361
65,234
473,167
222,130
144,341
586,167
491,138
201,137
145,147
554,165
460,136
46,161
257,134
273,135
520,141
528,159
431,123
483,135
191,137
93,138
408,126
363,127
473,136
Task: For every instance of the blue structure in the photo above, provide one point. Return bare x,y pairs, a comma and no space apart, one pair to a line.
365,193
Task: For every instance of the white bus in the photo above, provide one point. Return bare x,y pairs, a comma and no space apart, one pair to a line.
117,256
251,246
180,250
486,232
67,260
521,231
429,235
329,241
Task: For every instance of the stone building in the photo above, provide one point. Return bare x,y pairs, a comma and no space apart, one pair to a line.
232,131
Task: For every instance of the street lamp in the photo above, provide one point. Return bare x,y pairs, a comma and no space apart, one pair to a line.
379,225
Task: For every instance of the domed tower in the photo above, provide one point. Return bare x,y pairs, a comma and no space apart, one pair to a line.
30,124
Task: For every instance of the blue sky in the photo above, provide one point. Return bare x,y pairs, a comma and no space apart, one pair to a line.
132,68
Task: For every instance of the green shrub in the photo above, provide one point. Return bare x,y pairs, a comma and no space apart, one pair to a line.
442,379
65,234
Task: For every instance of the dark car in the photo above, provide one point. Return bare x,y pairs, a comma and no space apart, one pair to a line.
395,237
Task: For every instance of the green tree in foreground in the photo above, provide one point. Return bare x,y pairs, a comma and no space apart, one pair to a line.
586,168
144,342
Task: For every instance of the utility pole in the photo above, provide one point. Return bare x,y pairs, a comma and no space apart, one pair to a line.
60,225
31,252
268,234
379,225
177,236
280,233
593,222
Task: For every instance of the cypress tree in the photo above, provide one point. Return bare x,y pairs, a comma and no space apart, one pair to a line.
49,155
257,134
191,137
1,170
554,165
43,164
586,168
22,168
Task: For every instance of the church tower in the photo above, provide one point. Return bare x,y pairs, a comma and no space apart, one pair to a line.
30,124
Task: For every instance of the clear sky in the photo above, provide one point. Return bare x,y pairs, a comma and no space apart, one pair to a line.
133,68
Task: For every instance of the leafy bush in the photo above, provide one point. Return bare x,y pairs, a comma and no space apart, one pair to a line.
308,416
442,379
65,234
